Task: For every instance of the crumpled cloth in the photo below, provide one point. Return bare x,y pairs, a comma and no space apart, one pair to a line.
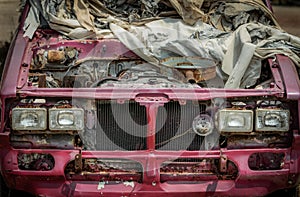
84,19
229,15
239,52
172,37
238,46
255,40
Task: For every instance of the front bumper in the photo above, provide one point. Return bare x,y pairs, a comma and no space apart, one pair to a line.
54,182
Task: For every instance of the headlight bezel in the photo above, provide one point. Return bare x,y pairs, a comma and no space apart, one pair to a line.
40,113
260,118
56,113
226,116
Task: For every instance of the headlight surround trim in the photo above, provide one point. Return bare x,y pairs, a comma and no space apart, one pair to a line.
66,119
25,119
235,121
265,117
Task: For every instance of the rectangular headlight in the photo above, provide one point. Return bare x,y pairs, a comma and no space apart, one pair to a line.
272,120
230,120
29,119
66,119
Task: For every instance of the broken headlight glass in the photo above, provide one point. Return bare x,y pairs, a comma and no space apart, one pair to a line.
272,120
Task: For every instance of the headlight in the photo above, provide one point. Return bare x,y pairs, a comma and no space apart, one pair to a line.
29,119
203,125
66,119
235,120
272,120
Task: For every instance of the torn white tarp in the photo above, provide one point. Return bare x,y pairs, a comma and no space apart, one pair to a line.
77,25
238,57
239,51
154,32
32,21
259,41
172,37
229,15
82,19
134,44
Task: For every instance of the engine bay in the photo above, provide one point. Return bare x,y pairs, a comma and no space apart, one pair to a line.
70,66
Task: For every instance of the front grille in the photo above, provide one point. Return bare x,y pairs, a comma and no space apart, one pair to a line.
174,126
121,126
124,126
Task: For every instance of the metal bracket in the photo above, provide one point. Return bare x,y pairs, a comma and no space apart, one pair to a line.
223,163
145,100
78,162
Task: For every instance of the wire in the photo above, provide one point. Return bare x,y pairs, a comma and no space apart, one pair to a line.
175,137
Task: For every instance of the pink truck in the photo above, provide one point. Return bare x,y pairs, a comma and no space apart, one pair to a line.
150,98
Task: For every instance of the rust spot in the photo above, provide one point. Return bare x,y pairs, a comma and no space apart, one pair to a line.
56,56
78,163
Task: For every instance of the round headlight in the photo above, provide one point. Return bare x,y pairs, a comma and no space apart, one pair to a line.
203,125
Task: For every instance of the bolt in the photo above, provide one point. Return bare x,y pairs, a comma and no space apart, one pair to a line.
153,183
274,65
25,65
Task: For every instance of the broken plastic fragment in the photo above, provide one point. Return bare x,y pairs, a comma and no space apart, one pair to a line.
127,183
101,185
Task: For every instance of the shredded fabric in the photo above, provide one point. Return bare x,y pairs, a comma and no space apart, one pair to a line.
237,34
83,19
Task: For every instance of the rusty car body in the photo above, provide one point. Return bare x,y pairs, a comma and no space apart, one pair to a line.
93,117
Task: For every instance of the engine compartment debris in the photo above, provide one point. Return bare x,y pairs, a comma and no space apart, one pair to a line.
205,29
